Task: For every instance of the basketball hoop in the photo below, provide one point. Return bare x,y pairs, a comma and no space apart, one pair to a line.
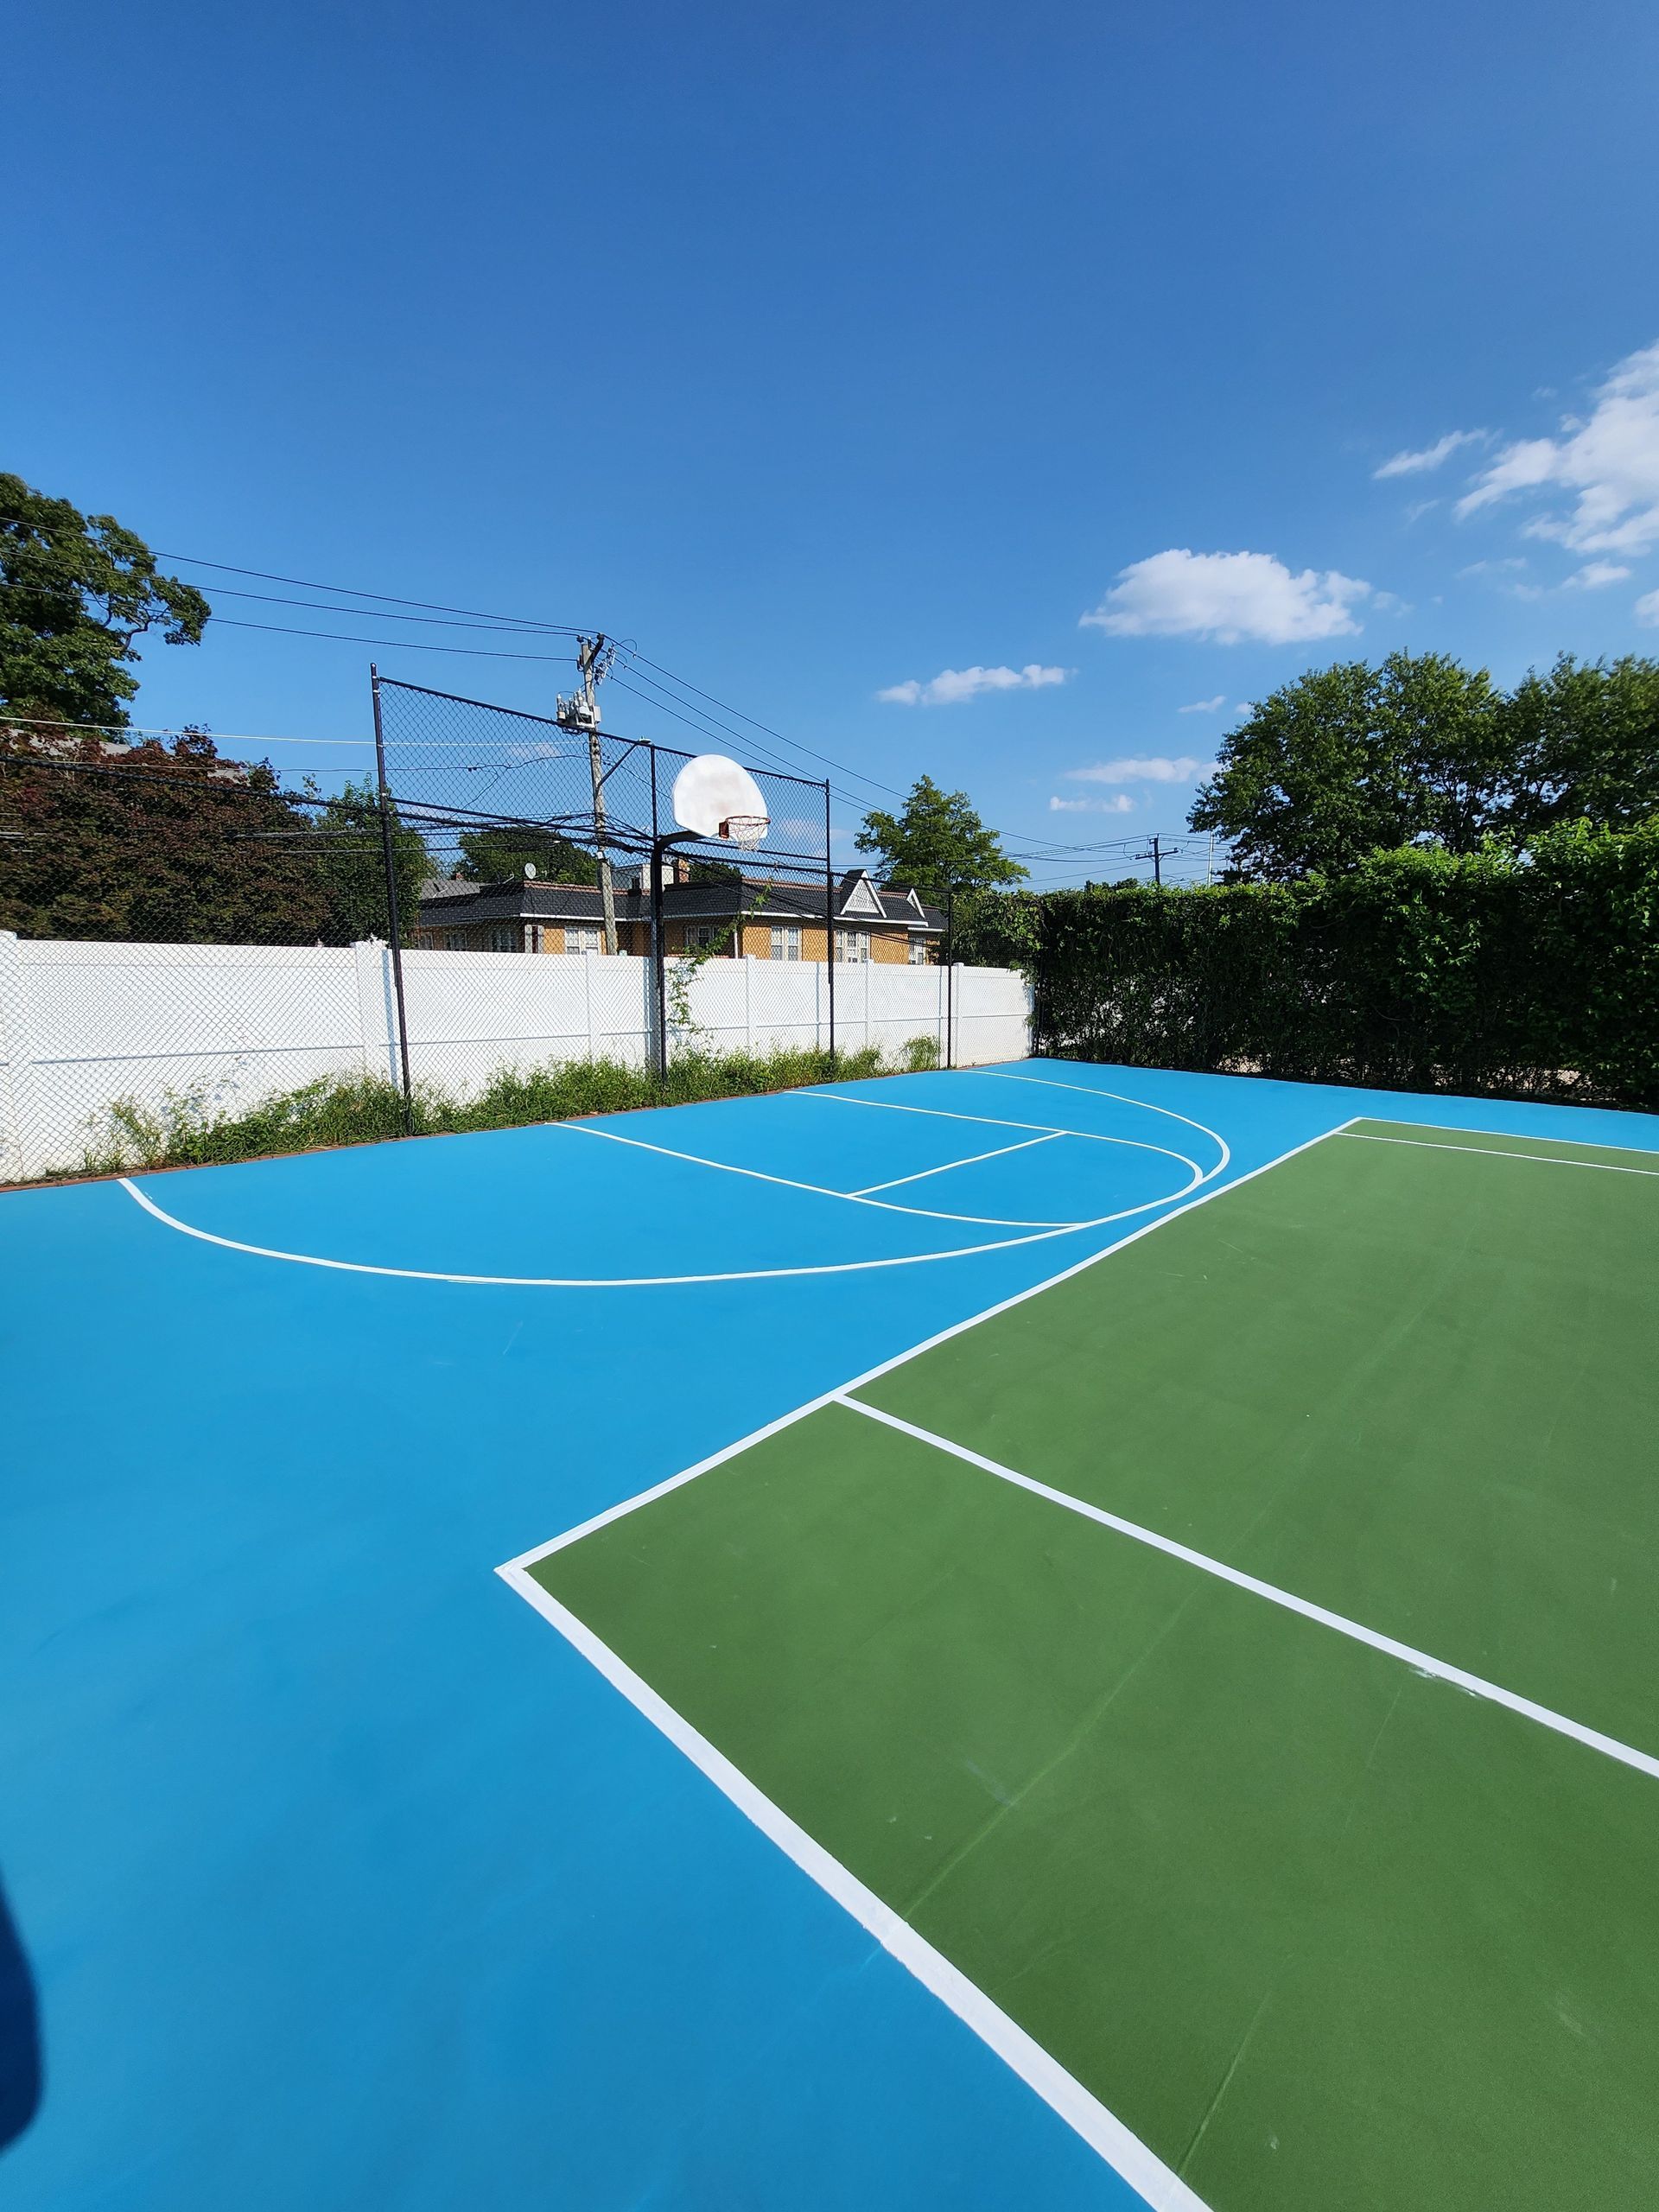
715,798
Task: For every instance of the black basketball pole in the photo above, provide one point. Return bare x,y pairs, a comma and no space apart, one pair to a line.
388,862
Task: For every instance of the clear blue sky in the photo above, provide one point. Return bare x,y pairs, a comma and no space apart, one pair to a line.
826,351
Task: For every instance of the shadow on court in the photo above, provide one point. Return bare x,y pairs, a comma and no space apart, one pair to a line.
20,2038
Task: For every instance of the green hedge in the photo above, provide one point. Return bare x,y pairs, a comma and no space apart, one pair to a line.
1419,970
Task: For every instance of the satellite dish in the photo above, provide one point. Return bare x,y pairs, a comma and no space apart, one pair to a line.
529,871
713,798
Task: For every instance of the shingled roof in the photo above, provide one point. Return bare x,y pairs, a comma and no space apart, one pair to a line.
858,899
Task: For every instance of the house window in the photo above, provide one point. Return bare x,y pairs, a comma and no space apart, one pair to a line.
533,937
580,937
506,936
852,946
454,940
786,944
918,953
701,934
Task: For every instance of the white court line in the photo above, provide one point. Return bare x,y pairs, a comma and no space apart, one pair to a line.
603,1282
900,1359
1099,1090
1045,1129
1040,1236
1163,2190
853,1198
1422,1663
973,1161
1491,1152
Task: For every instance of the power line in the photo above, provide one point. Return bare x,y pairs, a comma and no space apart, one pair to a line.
516,622
346,591
404,645
503,627
857,776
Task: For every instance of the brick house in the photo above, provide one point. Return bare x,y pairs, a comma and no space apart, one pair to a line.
885,923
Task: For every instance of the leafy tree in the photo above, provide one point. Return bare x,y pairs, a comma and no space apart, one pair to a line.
75,592
164,845
350,858
1353,759
494,855
937,842
1585,741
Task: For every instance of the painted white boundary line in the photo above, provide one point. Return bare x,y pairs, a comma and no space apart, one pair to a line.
1421,1662
902,1359
1163,2190
1491,1152
973,1161
1039,1236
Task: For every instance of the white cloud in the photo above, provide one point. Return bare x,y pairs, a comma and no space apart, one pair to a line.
1494,568
1596,576
1142,768
1227,596
1647,608
1205,706
1419,464
952,685
1122,804
1611,461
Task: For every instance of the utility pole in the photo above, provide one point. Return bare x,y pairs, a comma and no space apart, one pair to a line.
581,712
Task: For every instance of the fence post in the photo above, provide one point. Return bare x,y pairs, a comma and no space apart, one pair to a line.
393,930
749,1002
374,1008
830,927
587,960
22,1137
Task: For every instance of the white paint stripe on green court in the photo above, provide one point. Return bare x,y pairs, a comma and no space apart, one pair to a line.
1421,1662
1497,1152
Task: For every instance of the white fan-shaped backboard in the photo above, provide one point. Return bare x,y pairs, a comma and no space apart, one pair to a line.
712,790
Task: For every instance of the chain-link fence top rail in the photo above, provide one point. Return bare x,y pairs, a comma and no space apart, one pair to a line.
468,761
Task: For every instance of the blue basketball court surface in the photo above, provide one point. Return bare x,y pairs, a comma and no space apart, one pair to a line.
352,1857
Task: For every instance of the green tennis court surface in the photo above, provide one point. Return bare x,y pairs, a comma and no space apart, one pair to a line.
1324,1921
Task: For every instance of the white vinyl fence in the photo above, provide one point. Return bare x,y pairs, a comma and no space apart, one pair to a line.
84,1026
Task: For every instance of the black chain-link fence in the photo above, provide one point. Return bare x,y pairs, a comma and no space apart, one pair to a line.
185,941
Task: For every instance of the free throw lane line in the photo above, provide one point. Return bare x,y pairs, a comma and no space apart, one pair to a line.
1421,1662
946,1166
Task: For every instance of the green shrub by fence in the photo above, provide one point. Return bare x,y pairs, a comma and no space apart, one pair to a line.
1419,970
186,1131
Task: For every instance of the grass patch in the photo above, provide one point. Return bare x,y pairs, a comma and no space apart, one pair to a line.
186,1129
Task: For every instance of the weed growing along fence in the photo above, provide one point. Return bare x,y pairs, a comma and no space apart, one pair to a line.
1417,969
184,1131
